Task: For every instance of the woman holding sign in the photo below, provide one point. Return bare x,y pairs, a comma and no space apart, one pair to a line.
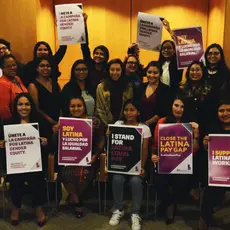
131,116
24,113
112,93
76,179
214,195
169,186
97,63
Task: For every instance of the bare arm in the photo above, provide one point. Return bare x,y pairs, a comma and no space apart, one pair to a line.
34,94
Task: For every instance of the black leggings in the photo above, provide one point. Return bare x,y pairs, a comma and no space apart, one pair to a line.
212,196
36,185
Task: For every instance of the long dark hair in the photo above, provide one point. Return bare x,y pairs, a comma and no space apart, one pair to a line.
50,53
171,118
79,98
40,59
108,82
104,50
136,104
156,64
204,71
162,58
222,63
33,117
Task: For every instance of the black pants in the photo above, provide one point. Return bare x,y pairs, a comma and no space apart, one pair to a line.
170,188
212,196
36,186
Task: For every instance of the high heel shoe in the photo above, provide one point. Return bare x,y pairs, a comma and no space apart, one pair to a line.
79,214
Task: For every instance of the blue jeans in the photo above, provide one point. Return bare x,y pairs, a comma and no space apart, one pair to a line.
136,184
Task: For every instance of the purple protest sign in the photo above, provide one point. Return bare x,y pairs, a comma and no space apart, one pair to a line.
189,46
175,149
219,160
75,141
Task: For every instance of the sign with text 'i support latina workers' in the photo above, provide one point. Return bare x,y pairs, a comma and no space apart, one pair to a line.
70,24
124,149
23,149
189,46
219,160
175,149
75,141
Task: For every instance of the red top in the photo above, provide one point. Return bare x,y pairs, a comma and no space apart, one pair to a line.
8,91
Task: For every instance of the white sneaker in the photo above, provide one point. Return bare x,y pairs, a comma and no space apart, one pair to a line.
115,219
136,222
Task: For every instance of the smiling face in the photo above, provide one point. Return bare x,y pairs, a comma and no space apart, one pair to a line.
99,56
77,108
178,109
224,113
167,50
115,71
195,72
153,74
10,68
81,72
131,113
42,51
44,69
131,65
3,50
214,56
23,108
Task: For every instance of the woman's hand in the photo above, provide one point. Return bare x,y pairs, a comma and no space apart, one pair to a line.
195,129
108,132
167,27
142,171
206,140
93,159
44,141
155,158
85,16
154,119
2,144
56,127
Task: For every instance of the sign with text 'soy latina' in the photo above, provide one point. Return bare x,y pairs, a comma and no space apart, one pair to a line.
23,149
189,46
70,24
175,149
124,149
219,160
149,31
75,141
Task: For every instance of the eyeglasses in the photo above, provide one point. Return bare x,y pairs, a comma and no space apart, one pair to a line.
44,66
81,70
10,66
213,53
131,63
3,48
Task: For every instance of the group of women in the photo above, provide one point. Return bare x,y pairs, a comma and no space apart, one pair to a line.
113,92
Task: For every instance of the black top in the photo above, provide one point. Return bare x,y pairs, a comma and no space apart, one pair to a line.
48,102
95,76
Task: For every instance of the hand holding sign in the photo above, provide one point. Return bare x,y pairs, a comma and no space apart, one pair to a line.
206,140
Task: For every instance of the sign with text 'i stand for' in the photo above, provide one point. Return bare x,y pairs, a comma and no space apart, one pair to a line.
124,149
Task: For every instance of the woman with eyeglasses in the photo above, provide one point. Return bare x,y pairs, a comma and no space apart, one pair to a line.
134,74
10,85
78,86
47,102
217,68
112,93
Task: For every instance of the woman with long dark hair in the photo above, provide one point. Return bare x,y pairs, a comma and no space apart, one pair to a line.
97,63
43,49
80,86
24,111
169,186
131,116
112,93
77,179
